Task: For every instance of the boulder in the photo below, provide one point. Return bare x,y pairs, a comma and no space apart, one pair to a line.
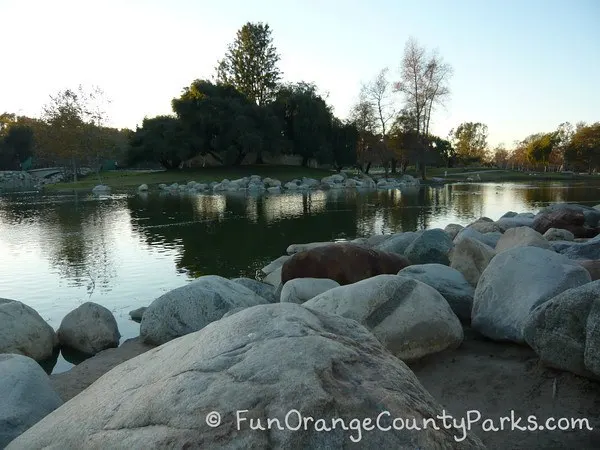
565,330
27,396
521,237
398,243
346,264
274,278
143,188
558,234
506,223
579,250
191,307
89,329
264,290
488,239
260,363
484,225
470,257
567,219
24,332
136,314
447,281
101,189
376,239
271,182
453,229
591,215
300,290
592,266
409,317
514,283
297,248
276,264
431,246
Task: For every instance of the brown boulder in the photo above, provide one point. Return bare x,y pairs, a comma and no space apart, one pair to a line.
565,219
592,266
344,263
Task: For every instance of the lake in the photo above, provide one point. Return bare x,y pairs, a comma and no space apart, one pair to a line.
124,251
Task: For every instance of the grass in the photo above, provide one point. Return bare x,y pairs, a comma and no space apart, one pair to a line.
127,179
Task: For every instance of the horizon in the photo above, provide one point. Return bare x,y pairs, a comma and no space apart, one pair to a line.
534,78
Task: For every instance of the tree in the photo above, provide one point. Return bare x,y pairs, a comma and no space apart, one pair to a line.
470,141
72,117
221,120
501,156
564,134
539,147
16,147
377,94
584,147
306,119
363,116
423,81
161,139
344,140
250,64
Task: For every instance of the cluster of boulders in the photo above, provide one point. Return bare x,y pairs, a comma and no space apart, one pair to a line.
328,332
257,184
17,181
25,338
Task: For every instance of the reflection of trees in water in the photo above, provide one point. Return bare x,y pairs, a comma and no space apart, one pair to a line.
75,236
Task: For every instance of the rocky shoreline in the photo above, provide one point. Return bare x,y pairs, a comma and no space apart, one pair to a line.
495,316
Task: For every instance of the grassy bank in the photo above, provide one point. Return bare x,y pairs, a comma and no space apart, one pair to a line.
126,179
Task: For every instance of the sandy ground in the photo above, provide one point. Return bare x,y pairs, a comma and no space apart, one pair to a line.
495,378
482,375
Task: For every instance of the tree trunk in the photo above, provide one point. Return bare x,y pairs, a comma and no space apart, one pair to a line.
367,169
394,165
423,171
74,170
305,161
259,158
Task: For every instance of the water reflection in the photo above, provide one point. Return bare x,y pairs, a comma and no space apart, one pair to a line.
122,252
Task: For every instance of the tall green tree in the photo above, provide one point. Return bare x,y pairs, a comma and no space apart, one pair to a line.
539,147
16,147
250,64
363,115
162,139
584,148
470,141
307,120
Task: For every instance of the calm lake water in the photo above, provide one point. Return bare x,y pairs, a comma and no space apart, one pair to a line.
123,252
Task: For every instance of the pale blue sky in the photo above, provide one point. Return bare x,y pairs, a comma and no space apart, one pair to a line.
519,66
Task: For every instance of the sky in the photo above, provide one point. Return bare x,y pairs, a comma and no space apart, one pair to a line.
520,67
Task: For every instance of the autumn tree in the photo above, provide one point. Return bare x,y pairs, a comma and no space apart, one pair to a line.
500,156
584,148
424,83
73,118
539,148
470,141
362,114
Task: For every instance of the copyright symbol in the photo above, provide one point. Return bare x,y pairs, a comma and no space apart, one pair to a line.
213,419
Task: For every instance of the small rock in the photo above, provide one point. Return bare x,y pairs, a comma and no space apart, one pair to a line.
300,290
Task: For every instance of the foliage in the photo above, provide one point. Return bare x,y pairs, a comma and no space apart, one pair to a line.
250,64
15,146
540,146
470,141
584,147
161,139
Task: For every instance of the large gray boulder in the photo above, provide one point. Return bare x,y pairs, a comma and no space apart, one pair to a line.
27,396
191,307
514,283
521,237
579,250
489,239
558,234
409,317
275,264
518,220
453,229
565,331
260,363
300,290
447,281
297,248
24,332
431,246
399,242
264,290
470,257
89,328
484,225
